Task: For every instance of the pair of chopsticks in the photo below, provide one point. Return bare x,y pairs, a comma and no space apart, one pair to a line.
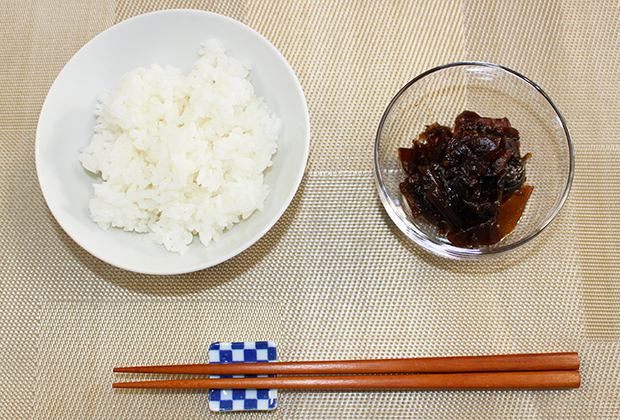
518,371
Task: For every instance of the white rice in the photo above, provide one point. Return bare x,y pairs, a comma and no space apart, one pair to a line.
181,154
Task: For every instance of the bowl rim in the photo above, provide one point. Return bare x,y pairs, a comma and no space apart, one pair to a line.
445,249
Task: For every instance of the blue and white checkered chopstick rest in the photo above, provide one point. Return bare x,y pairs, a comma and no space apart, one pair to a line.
242,399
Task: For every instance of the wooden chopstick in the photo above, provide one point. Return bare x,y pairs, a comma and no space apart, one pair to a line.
448,381
500,363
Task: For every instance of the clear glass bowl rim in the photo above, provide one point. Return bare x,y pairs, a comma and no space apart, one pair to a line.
451,251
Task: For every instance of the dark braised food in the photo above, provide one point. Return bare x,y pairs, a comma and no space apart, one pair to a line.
469,182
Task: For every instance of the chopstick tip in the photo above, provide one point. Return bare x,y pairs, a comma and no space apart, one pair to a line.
126,384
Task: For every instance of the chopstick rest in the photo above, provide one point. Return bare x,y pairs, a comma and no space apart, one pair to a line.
242,399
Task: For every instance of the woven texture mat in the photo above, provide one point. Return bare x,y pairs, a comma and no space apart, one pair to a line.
334,278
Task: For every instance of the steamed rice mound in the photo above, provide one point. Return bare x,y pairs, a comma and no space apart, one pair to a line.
181,154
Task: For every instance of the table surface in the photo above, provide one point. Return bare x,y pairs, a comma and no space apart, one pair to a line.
334,279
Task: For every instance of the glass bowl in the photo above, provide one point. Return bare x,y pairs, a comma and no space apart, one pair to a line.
442,93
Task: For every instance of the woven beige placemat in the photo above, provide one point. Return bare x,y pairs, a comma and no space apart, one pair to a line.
334,278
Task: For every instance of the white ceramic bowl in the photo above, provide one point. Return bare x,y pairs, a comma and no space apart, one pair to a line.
168,37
